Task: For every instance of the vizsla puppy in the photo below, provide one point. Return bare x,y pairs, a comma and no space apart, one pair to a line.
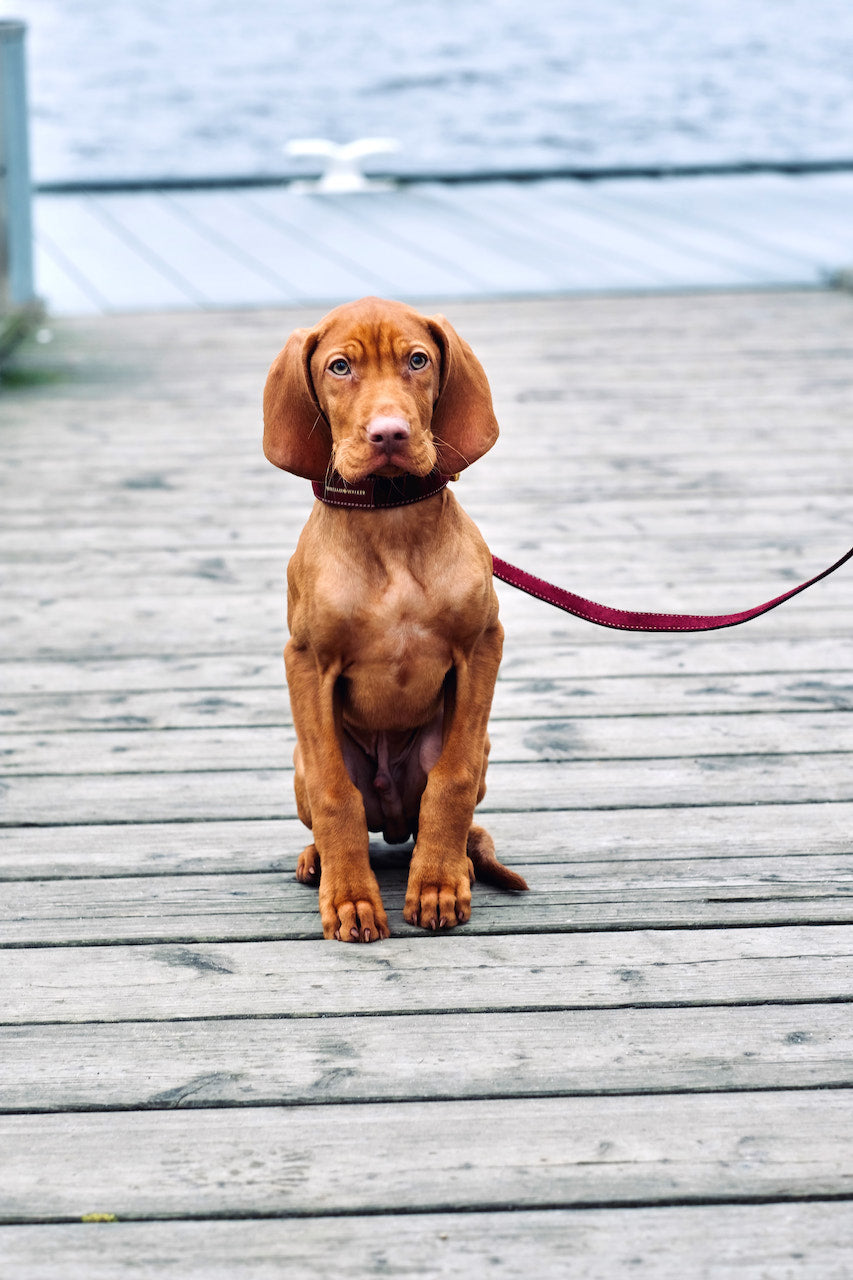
394,634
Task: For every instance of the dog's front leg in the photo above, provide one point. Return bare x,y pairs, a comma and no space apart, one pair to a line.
350,904
438,894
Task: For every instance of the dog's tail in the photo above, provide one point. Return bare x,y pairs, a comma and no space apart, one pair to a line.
481,852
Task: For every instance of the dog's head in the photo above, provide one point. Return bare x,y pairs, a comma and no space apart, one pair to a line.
377,389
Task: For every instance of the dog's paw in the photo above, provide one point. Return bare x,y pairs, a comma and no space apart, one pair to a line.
438,901
308,866
353,915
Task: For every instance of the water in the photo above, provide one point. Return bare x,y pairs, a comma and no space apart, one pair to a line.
151,88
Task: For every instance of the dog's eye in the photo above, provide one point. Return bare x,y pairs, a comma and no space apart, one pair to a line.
340,367
417,360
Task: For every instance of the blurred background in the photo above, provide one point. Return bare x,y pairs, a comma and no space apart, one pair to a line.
152,89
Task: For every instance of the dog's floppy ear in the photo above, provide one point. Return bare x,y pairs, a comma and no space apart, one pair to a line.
464,426
296,435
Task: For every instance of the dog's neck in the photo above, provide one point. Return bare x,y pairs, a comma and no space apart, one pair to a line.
378,492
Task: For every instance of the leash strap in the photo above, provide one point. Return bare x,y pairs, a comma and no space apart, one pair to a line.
628,620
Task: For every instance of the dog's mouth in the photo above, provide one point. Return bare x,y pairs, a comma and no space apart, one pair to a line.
401,460
392,469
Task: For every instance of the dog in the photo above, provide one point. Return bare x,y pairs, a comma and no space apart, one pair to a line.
395,640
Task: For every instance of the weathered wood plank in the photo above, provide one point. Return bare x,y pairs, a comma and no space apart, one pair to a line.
214,269
809,1241
57,278
482,255
681,216
427,975
398,1058
587,480
515,699
585,225
576,255
611,836
802,889
235,622
605,537
745,565
435,1156
45,800
579,653
398,269
549,737
124,274
312,269
772,210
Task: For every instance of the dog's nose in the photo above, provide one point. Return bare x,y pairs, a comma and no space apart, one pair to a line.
387,431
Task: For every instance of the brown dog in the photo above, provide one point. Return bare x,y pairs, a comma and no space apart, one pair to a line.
394,634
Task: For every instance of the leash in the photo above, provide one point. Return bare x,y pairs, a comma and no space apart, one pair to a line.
378,492
629,620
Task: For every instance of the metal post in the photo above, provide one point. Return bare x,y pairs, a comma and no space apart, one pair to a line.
16,237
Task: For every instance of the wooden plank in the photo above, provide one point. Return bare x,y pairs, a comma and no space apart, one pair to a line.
420,974
807,1240
755,211
801,890
234,621
554,1152
235,1062
810,522
619,836
673,468
749,264
579,654
123,272
549,737
743,220
585,499
488,259
531,788
576,254
586,217
735,565
306,271
803,220
227,707
396,268
566,648
57,280
217,271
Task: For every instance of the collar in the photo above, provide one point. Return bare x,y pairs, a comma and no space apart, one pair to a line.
378,491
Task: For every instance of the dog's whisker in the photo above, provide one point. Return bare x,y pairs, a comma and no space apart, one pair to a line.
445,444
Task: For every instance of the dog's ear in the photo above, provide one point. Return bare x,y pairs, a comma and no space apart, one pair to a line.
464,426
296,435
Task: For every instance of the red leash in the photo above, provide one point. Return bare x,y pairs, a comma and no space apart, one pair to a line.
629,620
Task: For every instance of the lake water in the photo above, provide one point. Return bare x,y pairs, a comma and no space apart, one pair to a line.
151,88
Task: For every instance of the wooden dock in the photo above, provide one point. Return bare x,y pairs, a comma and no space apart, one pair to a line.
642,1067
272,246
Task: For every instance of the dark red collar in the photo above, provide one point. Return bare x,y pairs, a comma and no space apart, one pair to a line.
378,491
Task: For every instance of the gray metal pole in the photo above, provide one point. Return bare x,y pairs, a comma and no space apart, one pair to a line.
16,235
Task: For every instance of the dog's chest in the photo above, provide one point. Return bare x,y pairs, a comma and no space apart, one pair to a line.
398,621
